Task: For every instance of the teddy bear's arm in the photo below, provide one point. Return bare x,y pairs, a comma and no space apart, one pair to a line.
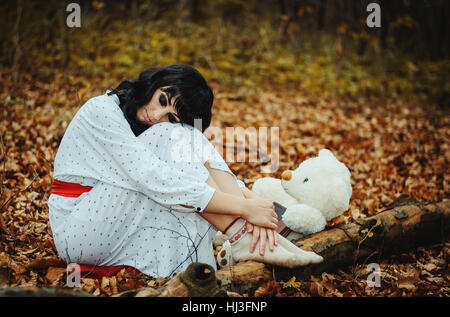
270,188
304,219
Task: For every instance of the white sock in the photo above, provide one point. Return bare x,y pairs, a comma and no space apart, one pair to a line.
314,257
285,254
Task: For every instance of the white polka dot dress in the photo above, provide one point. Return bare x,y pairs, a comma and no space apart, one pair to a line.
146,190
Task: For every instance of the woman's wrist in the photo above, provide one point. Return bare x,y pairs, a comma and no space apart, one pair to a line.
243,208
249,194
224,203
244,191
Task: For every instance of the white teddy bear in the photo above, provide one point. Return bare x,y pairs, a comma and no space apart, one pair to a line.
314,193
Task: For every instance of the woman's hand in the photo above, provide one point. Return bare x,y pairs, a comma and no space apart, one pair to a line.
249,194
263,234
260,212
259,233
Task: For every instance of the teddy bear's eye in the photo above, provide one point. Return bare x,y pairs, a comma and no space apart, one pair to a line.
305,180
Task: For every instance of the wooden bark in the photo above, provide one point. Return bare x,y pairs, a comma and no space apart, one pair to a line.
393,231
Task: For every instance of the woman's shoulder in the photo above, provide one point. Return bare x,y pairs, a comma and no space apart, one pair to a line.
99,111
102,101
102,105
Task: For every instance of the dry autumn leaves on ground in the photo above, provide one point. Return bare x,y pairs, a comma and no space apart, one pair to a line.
391,149
392,146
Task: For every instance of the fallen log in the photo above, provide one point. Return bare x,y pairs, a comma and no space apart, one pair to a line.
389,232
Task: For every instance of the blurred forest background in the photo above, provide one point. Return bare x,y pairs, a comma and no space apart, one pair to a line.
321,47
378,98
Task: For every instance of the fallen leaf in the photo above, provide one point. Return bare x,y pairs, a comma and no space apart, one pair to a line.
407,283
4,277
89,284
429,267
55,274
316,289
269,289
291,283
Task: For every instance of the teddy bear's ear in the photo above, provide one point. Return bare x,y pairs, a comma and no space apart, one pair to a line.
326,152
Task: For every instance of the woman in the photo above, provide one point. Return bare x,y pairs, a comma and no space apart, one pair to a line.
135,183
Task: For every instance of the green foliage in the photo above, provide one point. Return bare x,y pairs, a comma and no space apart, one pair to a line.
253,54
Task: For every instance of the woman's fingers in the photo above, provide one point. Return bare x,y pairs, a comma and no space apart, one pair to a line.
274,218
275,239
270,238
255,237
271,226
262,242
263,235
275,223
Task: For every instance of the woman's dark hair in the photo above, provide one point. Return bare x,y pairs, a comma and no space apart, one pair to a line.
194,96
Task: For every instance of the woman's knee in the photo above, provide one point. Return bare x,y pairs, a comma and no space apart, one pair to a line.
161,133
165,140
179,143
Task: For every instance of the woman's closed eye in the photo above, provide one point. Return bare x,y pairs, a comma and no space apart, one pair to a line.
163,100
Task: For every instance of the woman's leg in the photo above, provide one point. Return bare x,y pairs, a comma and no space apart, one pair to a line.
224,181
286,255
191,150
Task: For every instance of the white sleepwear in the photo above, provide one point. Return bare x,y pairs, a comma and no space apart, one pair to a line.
146,191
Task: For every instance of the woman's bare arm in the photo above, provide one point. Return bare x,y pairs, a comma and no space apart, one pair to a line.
257,211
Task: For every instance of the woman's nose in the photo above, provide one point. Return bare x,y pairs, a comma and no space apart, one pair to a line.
160,113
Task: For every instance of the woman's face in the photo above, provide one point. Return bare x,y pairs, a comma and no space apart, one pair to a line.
158,109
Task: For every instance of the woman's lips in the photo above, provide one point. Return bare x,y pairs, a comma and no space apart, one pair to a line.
147,117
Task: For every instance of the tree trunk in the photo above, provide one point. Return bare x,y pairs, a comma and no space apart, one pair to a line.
321,15
368,240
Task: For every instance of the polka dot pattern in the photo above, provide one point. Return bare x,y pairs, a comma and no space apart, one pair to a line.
133,214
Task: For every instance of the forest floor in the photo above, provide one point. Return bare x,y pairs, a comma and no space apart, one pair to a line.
391,147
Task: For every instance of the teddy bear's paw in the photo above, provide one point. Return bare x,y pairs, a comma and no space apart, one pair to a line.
304,219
